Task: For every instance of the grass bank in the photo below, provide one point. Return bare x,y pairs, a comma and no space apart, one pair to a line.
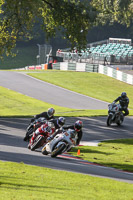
19,181
113,153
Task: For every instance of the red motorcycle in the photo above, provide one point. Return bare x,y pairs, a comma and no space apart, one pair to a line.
40,136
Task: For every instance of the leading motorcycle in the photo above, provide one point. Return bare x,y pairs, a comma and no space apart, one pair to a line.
61,143
115,114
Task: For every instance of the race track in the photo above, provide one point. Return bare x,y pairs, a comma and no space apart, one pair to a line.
12,131
13,148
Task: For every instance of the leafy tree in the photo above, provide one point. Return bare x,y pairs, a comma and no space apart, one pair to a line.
73,18
17,19
120,11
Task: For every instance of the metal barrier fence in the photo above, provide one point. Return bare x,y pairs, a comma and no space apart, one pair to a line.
76,66
95,58
43,51
119,75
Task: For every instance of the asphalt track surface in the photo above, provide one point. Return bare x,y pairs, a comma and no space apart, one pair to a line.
13,148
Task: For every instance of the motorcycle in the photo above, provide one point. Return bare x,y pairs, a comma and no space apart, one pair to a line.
33,127
40,140
115,114
60,143
42,137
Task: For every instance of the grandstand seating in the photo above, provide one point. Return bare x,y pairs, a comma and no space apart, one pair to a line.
115,49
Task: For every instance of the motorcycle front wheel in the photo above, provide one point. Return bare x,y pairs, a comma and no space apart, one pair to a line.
29,134
109,120
44,152
37,144
58,150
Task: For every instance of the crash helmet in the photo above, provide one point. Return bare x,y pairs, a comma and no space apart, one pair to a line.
51,112
61,121
123,94
78,125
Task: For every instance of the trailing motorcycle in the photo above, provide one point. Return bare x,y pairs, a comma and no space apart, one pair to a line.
115,114
33,126
61,143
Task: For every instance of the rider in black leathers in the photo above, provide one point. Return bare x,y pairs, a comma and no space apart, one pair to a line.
124,101
58,123
47,115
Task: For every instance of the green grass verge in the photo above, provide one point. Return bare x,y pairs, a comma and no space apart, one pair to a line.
91,84
19,181
113,153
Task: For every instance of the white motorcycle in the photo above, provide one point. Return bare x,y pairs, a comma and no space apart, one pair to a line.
115,114
60,143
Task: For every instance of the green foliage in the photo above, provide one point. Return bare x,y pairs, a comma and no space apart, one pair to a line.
114,11
73,18
17,19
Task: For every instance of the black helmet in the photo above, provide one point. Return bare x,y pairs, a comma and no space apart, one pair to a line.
123,94
61,121
78,125
51,112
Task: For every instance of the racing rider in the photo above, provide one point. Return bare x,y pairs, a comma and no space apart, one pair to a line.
46,129
124,101
58,123
77,127
47,115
